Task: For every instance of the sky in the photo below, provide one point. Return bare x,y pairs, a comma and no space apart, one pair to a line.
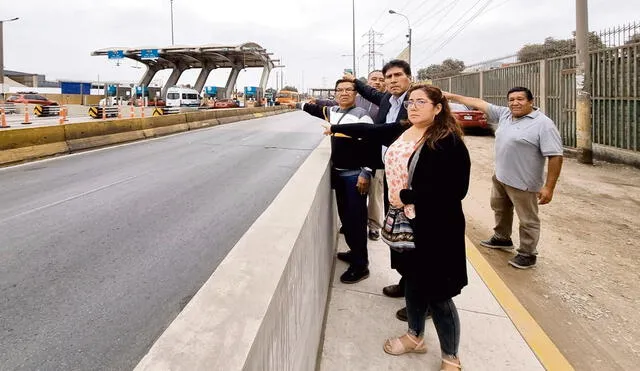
312,39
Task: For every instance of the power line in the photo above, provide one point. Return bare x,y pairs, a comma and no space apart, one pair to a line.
460,29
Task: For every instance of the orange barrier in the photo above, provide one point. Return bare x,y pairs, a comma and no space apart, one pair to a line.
119,112
4,119
26,115
133,114
104,112
142,111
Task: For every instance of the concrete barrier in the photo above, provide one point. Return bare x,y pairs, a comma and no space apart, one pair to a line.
263,308
33,143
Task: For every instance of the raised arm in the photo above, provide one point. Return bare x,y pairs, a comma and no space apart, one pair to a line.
476,103
369,93
378,134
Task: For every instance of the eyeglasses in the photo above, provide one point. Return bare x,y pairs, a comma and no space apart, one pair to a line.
347,90
418,104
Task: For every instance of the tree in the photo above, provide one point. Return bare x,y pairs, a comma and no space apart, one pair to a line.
290,88
448,67
556,48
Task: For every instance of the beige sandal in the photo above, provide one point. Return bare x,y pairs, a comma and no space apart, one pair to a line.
457,365
395,347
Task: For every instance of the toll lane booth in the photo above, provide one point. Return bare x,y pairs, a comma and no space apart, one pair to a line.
253,96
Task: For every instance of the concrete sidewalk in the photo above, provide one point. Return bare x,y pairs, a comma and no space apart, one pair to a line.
360,318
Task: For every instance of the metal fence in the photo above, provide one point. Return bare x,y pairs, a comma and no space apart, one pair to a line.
615,92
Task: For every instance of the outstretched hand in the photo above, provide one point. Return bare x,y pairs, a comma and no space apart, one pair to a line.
327,129
349,77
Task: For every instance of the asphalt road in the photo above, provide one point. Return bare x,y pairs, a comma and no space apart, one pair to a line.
99,251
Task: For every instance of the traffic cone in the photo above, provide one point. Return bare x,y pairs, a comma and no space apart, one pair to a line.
142,111
26,115
133,113
63,115
119,112
104,112
4,119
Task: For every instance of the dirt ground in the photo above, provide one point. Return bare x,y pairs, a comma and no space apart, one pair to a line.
585,289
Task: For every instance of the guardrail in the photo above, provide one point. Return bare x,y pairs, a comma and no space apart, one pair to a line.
8,107
43,111
98,112
160,111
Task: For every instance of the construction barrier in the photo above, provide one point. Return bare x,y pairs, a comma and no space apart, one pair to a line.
159,111
42,111
97,111
63,115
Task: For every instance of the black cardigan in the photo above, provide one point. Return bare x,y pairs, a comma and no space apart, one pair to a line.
440,182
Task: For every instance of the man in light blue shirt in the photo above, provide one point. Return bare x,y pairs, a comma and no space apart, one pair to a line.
525,138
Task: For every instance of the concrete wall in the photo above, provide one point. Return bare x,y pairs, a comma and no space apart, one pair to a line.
263,308
33,143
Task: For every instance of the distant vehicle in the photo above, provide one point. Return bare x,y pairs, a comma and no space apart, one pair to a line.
286,97
109,101
31,98
225,103
469,119
182,97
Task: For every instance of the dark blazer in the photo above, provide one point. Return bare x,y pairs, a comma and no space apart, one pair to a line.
381,100
440,182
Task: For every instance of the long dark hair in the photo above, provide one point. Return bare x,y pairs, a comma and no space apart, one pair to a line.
444,124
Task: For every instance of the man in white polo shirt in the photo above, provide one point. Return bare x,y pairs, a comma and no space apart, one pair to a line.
525,137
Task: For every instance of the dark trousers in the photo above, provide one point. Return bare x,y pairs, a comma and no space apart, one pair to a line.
352,210
444,314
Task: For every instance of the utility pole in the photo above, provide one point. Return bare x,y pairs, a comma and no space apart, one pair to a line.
583,85
372,49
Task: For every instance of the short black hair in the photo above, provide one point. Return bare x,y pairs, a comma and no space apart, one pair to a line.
343,80
397,63
516,89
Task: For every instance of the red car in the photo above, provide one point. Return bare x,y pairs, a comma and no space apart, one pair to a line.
469,119
225,103
31,98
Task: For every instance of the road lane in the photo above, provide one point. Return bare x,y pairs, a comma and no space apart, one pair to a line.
100,251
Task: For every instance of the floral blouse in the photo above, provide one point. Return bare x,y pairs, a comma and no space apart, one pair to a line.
396,164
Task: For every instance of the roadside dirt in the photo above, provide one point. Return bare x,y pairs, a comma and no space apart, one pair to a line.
585,289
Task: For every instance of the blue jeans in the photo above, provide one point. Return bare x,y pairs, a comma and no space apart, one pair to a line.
444,314
352,210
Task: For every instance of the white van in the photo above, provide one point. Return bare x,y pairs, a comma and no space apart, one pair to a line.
182,97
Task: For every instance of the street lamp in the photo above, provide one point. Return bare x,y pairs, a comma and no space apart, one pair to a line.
409,35
2,54
171,22
353,23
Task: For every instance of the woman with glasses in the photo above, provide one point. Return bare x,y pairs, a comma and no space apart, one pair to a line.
436,269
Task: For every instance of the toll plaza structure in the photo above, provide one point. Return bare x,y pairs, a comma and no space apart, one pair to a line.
206,57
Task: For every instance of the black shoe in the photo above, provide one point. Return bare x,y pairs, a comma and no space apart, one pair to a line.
354,275
374,235
498,243
341,230
393,291
345,256
523,261
401,314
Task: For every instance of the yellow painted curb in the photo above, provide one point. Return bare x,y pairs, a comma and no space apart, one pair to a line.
546,351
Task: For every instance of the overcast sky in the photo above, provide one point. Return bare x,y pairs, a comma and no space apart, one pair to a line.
313,39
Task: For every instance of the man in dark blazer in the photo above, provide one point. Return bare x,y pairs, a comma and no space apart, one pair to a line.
397,79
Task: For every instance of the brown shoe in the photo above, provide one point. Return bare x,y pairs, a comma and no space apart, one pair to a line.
393,291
